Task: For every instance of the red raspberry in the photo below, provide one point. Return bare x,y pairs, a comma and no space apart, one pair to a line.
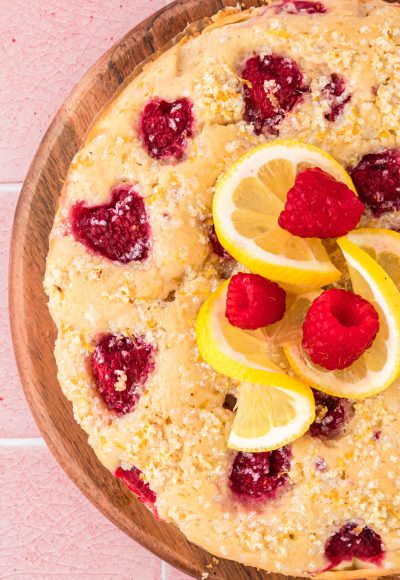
338,328
120,366
273,85
260,476
377,180
118,230
332,415
318,206
253,301
335,93
352,541
216,245
165,128
133,480
301,7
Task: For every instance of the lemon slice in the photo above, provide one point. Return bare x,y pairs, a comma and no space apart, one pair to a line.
248,355
269,417
379,366
382,245
248,201
240,354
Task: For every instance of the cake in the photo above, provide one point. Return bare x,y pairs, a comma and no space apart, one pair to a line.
134,254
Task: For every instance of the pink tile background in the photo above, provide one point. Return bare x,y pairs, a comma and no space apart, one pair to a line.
47,528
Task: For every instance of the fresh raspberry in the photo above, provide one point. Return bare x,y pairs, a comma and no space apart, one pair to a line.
353,541
335,93
165,127
318,206
260,476
377,180
118,230
332,415
120,366
253,301
338,328
272,87
134,481
216,245
300,7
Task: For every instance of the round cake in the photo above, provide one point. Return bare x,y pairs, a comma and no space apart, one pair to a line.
134,255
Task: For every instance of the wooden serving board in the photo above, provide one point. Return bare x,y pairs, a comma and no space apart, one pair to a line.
32,328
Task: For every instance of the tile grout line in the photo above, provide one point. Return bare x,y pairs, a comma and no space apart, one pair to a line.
27,442
10,187
163,570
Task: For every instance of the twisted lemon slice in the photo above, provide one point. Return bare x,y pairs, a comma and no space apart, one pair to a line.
248,201
273,408
379,366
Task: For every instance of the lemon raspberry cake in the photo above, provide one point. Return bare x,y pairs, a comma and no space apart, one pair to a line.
224,273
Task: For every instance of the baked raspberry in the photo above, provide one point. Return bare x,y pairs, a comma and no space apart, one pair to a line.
301,7
332,415
118,230
253,301
134,481
120,366
338,328
354,541
216,245
318,206
377,180
273,85
165,127
335,92
261,476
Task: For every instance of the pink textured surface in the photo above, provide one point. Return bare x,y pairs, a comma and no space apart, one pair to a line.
15,418
35,509
46,47
47,528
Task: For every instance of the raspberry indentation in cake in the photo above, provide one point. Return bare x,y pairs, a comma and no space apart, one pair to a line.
134,481
332,415
253,301
260,476
216,245
118,230
272,86
165,127
319,206
120,366
377,180
337,96
338,328
354,541
301,7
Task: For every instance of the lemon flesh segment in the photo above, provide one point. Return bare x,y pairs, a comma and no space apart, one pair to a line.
269,417
379,366
248,201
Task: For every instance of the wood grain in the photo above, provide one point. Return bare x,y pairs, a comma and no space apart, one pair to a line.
32,328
